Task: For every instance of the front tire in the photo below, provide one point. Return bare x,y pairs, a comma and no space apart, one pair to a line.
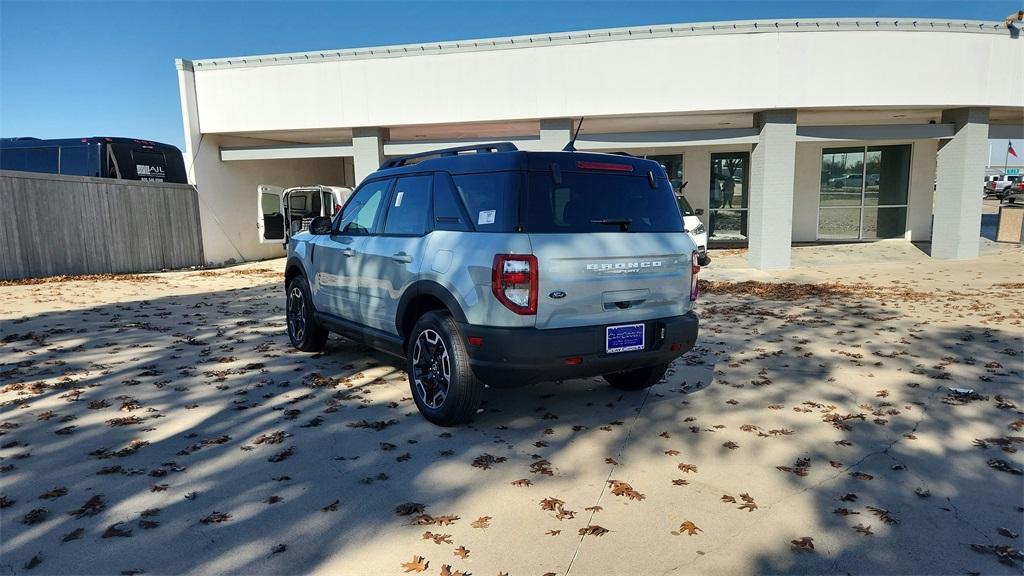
638,379
304,331
443,385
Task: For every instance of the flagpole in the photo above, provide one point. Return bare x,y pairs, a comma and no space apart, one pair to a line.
1006,158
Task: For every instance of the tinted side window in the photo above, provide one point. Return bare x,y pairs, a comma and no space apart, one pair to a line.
448,214
491,198
360,214
410,206
29,159
75,160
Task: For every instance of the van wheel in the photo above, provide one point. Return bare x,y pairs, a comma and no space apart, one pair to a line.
304,331
443,385
638,379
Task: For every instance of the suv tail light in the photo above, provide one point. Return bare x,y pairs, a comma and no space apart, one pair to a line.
694,270
514,282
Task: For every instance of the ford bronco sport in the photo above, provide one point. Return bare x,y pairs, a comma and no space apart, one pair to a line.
487,265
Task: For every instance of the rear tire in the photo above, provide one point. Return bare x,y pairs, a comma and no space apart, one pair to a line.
443,385
638,379
304,331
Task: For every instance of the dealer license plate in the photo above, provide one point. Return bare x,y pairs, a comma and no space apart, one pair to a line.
625,338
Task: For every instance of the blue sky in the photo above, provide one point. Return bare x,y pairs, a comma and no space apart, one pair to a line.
70,69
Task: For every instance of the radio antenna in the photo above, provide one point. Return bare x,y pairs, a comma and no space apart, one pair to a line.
571,146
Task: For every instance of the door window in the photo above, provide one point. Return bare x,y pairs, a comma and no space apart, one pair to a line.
728,197
864,192
273,220
448,214
360,215
409,210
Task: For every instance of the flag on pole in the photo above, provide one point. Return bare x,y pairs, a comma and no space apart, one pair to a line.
1009,148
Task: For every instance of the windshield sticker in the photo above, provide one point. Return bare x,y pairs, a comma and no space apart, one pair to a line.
485,217
398,199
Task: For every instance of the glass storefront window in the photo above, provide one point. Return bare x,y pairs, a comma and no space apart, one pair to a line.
838,223
728,197
887,176
880,223
863,193
842,176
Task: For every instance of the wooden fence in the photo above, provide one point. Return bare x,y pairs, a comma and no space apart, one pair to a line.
54,225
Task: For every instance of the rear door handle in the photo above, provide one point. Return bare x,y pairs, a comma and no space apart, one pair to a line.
401,257
348,252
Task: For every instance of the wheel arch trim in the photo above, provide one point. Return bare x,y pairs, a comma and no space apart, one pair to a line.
427,288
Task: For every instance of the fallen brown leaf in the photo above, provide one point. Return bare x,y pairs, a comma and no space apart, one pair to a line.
805,544
481,522
418,564
689,528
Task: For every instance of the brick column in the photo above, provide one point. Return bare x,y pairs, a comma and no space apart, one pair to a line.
770,214
367,151
960,169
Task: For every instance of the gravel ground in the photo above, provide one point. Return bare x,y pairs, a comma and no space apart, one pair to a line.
861,419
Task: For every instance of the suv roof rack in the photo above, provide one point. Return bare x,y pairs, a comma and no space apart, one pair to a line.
477,148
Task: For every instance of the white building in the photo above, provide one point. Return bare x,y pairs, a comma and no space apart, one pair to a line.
786,131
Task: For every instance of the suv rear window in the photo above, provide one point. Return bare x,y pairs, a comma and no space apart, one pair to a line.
586,202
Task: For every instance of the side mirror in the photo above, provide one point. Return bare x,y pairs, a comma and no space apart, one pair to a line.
320,225
698,211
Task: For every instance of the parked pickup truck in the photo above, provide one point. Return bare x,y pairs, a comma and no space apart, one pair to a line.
487,265
1015,193
999,186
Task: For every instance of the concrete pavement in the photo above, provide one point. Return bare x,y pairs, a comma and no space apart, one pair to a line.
175,397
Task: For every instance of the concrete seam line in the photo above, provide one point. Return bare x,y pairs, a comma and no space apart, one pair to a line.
611,470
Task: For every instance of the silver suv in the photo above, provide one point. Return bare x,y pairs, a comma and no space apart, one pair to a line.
486,265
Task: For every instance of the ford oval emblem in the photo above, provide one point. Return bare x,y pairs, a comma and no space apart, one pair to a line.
557,294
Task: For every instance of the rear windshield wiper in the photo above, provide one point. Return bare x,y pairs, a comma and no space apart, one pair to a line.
622,223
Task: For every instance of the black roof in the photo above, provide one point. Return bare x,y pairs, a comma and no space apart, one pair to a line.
32,142
503,156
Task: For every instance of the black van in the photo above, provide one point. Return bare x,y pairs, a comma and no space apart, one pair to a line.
121,158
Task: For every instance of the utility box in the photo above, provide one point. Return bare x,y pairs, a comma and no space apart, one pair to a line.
1011,224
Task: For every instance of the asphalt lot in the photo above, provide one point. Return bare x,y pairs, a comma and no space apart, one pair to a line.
162,424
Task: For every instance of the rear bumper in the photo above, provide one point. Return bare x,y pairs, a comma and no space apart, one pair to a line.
512,357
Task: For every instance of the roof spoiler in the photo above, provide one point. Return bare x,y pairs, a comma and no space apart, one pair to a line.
476,148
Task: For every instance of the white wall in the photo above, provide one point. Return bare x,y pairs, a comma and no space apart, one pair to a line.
228,199
922,190
776,70
805,192
697,172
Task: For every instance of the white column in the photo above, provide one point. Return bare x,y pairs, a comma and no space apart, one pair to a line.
961,166
189,114
697,173
770,214
555,133
367,151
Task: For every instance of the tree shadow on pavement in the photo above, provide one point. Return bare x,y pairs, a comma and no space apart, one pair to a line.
196,405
